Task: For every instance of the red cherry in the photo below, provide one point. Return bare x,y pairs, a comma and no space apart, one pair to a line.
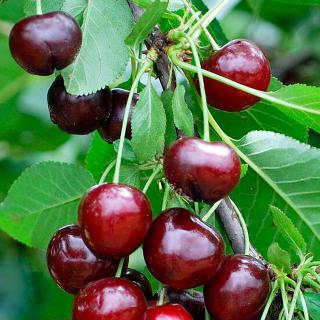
110,299
78,114
42,43
71,264
181,251
114,219
240,61
203,171
168,312
239,290
111,129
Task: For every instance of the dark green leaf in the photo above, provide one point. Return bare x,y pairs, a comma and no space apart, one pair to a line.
148,125
127,152
146,22
44,198
182,115
313,304
279,257
301,2
171,133
288,230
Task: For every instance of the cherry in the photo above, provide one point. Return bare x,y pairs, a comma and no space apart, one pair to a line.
78,114
71,264
114,219
110,299
239,290
140,280
201,170
193,301
240,61
181,251
111,129
42,43
168,312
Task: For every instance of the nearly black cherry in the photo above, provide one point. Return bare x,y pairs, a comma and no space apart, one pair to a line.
241,61
78,114
203,171
71,264
182,251
239,290
42,43
114,219
110,299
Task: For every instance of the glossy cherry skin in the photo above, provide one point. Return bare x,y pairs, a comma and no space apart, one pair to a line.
72,265
114,219
78,114
239,290
181,251
111,129
168,312
42,43
203,171
241,61
193,301
140,280
110,299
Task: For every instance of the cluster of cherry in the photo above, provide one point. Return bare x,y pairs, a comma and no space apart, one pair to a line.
180,250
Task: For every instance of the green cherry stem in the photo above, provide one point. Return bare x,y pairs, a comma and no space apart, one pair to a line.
272,295
165,196
255,92
160,301
143,69
39,6
120,267
106,172
196,208
207,315
295,297
151,178
211,211
284,297
304,305
311,283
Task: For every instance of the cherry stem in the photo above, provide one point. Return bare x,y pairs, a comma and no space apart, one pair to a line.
106,171
120,267
39,6
133,89
295,297
234,84
196,208
165,196
244,229
312,272
151,178
161,297
311,283
207,315
207,19
270,300
304,306
211,211
284,298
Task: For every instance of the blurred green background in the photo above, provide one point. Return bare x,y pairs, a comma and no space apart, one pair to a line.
288,34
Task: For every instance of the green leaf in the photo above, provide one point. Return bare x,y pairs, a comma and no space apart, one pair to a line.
301,2
148,125
182,115
47,6
305,96
171,133
44,198
130,174
127,152
244,170
288,177
99,156
173,5
12,10
279,257
146,22
103,56
288,230
313,304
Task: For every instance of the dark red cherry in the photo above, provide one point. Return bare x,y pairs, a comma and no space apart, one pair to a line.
114,219
140,280
110,299
42,43
111,129
241,61
239,290
203,171
192,301
71,264
168,312
78,114
181,251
